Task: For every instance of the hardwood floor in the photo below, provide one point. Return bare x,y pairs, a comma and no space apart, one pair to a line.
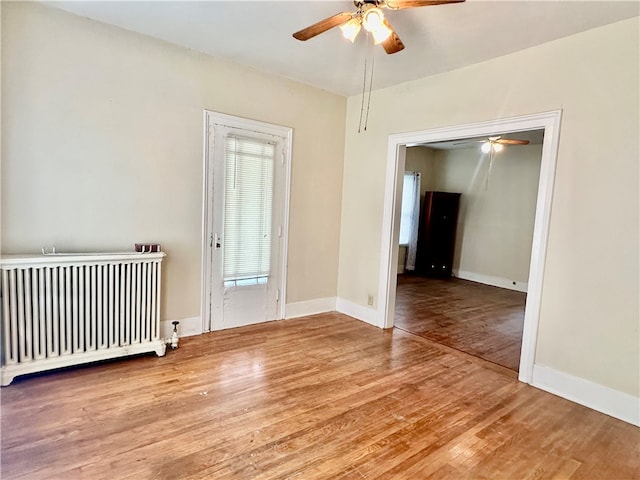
471,317
321,397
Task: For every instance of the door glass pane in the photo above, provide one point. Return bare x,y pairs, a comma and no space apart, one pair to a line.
247,209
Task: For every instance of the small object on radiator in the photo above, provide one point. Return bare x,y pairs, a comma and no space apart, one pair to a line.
148,247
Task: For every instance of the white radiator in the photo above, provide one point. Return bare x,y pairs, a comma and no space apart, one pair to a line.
60,310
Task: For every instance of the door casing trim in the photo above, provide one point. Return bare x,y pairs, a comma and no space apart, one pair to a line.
396,150
207,211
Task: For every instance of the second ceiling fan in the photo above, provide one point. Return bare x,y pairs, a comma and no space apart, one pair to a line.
494,144
369,15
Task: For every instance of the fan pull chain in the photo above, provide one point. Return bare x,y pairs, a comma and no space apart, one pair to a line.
366,118
370,54
364,85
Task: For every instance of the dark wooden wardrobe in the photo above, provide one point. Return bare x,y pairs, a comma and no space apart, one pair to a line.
437,234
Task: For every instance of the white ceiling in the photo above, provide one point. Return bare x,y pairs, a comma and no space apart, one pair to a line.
437,38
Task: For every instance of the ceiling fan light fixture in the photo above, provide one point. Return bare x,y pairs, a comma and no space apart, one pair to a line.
489,145
351,29
381,34
373,22
373,19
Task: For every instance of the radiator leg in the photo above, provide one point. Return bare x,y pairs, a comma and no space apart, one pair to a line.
6,379
161,349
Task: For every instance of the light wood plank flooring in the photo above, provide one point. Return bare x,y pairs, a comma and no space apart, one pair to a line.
471,317
321,397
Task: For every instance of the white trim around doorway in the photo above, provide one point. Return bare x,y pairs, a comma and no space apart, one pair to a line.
397,144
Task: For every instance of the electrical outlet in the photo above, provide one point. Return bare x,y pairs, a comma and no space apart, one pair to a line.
370,300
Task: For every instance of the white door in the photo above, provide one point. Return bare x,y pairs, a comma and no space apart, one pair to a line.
247,190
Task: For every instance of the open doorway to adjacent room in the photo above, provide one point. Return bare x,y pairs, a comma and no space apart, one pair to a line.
466,232
465,248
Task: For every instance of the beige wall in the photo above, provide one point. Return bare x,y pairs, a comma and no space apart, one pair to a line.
495,224
590,309
103,135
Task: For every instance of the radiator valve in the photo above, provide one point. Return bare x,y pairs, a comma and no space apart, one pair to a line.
174,335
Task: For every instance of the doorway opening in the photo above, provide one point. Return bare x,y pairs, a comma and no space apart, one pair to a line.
549,123
464,282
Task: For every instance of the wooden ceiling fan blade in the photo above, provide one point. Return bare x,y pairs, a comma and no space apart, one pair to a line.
512,141
402,4
392,44
322,26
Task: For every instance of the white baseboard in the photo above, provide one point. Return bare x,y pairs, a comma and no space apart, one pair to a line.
366,314
595,396
187,327
493,281
309,307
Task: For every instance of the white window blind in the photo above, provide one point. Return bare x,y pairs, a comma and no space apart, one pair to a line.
248,206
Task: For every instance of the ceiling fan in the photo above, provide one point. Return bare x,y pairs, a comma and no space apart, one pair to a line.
495,144
369,15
